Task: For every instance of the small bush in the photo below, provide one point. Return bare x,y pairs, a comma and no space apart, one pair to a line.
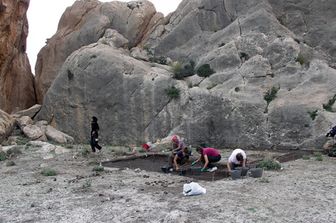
87,184
264,180
270,95
3,156
173,92
305,157
160,60
98,168
301,59
205,70
237,89
85,152
318,156
268,164
22,140
10,163
243,56
313,114
329,104
48,172
183,70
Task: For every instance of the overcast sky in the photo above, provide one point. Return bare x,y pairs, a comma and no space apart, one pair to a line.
43,17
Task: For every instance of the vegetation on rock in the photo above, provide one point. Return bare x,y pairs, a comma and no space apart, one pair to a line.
205,70
173,92
329,104
270,95
313,114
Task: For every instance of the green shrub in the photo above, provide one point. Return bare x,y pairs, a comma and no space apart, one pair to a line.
313,114
173,92
3,156
160,60
205,70
243,56
10,163
48,172
20,140
270,95
318,156
98,168
269,164
85,152
301,59
329,104
305,157
183,70
87,184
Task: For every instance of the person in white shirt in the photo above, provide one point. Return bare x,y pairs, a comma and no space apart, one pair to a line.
237,158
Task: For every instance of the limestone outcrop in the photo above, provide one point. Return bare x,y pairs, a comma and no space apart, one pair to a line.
16,79
270,86
85,22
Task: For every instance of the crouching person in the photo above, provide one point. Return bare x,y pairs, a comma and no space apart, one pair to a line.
208,157
175,160
237,158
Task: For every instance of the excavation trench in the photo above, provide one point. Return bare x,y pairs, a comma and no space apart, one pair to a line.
158,162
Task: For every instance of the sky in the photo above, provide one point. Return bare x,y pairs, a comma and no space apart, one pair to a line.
43,17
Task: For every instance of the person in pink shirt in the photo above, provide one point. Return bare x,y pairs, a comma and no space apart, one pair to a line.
208,157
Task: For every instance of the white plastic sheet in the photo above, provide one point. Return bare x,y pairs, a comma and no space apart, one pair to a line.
193,189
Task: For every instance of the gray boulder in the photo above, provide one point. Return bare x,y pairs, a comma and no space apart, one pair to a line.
58,136
31,112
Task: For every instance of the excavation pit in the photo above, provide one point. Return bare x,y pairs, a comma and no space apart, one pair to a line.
158,163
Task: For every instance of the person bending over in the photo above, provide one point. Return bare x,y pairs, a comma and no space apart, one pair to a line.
237,158
180,158
208,157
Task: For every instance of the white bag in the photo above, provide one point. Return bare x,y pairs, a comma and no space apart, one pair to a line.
193,189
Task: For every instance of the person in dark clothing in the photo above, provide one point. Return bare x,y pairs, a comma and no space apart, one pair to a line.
94,134
179,158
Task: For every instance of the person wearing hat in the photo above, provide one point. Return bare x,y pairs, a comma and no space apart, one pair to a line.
177,144
94,134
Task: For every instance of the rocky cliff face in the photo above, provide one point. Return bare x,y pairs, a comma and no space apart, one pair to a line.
16,79
273,85
84,23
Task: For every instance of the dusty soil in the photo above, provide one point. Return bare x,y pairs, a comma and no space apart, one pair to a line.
304,191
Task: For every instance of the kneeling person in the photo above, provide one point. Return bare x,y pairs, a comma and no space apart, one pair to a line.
208,157
237,158
180,158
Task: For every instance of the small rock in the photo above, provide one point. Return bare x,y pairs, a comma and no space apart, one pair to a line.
32,205
55,179
100,195
49,190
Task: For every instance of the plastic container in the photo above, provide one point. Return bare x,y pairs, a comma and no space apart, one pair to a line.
256,172
244,170
236,174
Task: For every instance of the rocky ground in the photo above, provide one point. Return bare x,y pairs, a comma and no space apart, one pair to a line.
303,191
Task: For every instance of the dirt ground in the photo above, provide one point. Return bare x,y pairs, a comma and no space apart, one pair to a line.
303,191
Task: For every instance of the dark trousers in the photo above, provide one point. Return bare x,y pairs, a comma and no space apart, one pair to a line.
234,166
94,144
180,161
212,159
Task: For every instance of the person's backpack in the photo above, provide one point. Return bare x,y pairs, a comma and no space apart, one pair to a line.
332,132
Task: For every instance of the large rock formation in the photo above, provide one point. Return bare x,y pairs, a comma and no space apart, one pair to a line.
84,23
16,80
272,87
6,125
